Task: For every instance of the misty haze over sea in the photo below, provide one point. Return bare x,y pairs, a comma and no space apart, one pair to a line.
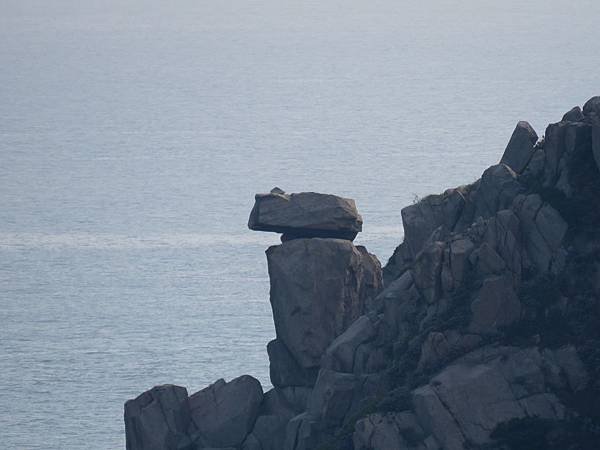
134,134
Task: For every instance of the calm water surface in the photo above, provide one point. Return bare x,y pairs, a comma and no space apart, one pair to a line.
133,135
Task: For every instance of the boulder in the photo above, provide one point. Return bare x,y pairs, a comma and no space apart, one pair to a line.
318,288
520,148
468,399
158,419
430,213
304,215
496,191
223,414
592,107
354,351
284,370
496,306
574,115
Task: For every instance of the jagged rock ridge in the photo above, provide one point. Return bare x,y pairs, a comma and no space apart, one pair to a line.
485,334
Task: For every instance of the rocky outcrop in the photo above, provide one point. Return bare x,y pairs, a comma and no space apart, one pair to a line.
521,147
318,288
158,419
305,215
223,414
320,285
484,334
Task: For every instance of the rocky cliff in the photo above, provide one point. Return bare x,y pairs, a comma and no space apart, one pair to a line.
481,332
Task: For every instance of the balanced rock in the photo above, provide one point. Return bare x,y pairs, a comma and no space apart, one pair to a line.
318,288
304,215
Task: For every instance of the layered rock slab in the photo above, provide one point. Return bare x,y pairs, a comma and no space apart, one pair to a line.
305,215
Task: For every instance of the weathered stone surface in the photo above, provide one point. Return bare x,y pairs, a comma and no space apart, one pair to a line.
285,402
574,115
400,304
398,263
543,229
284,370
307,214
469,398
520,148
318,288
456,263
592,107
302,433
430,213
439,348
158,419
496,191
428,270
333,396
268,433
596,140
343,353
572,366
496,306
397,431
224,413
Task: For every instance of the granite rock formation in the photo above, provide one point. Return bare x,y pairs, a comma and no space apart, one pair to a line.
485,333
305,215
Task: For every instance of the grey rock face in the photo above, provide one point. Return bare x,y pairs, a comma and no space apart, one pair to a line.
353,351
158,419
469,398
543,229
496,306
268,434
307,214
496,191
432,212
596,140
520,147
333,396
428,269
223,414
285,402
284,370
318,288
398,431
574,115
592,107
302,433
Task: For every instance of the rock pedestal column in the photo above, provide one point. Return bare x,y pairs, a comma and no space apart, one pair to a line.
320,281
320,284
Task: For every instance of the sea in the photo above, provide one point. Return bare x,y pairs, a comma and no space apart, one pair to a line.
135,133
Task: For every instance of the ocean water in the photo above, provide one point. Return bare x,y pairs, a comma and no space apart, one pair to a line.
134,134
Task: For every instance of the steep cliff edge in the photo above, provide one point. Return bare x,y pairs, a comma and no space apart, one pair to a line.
485,333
